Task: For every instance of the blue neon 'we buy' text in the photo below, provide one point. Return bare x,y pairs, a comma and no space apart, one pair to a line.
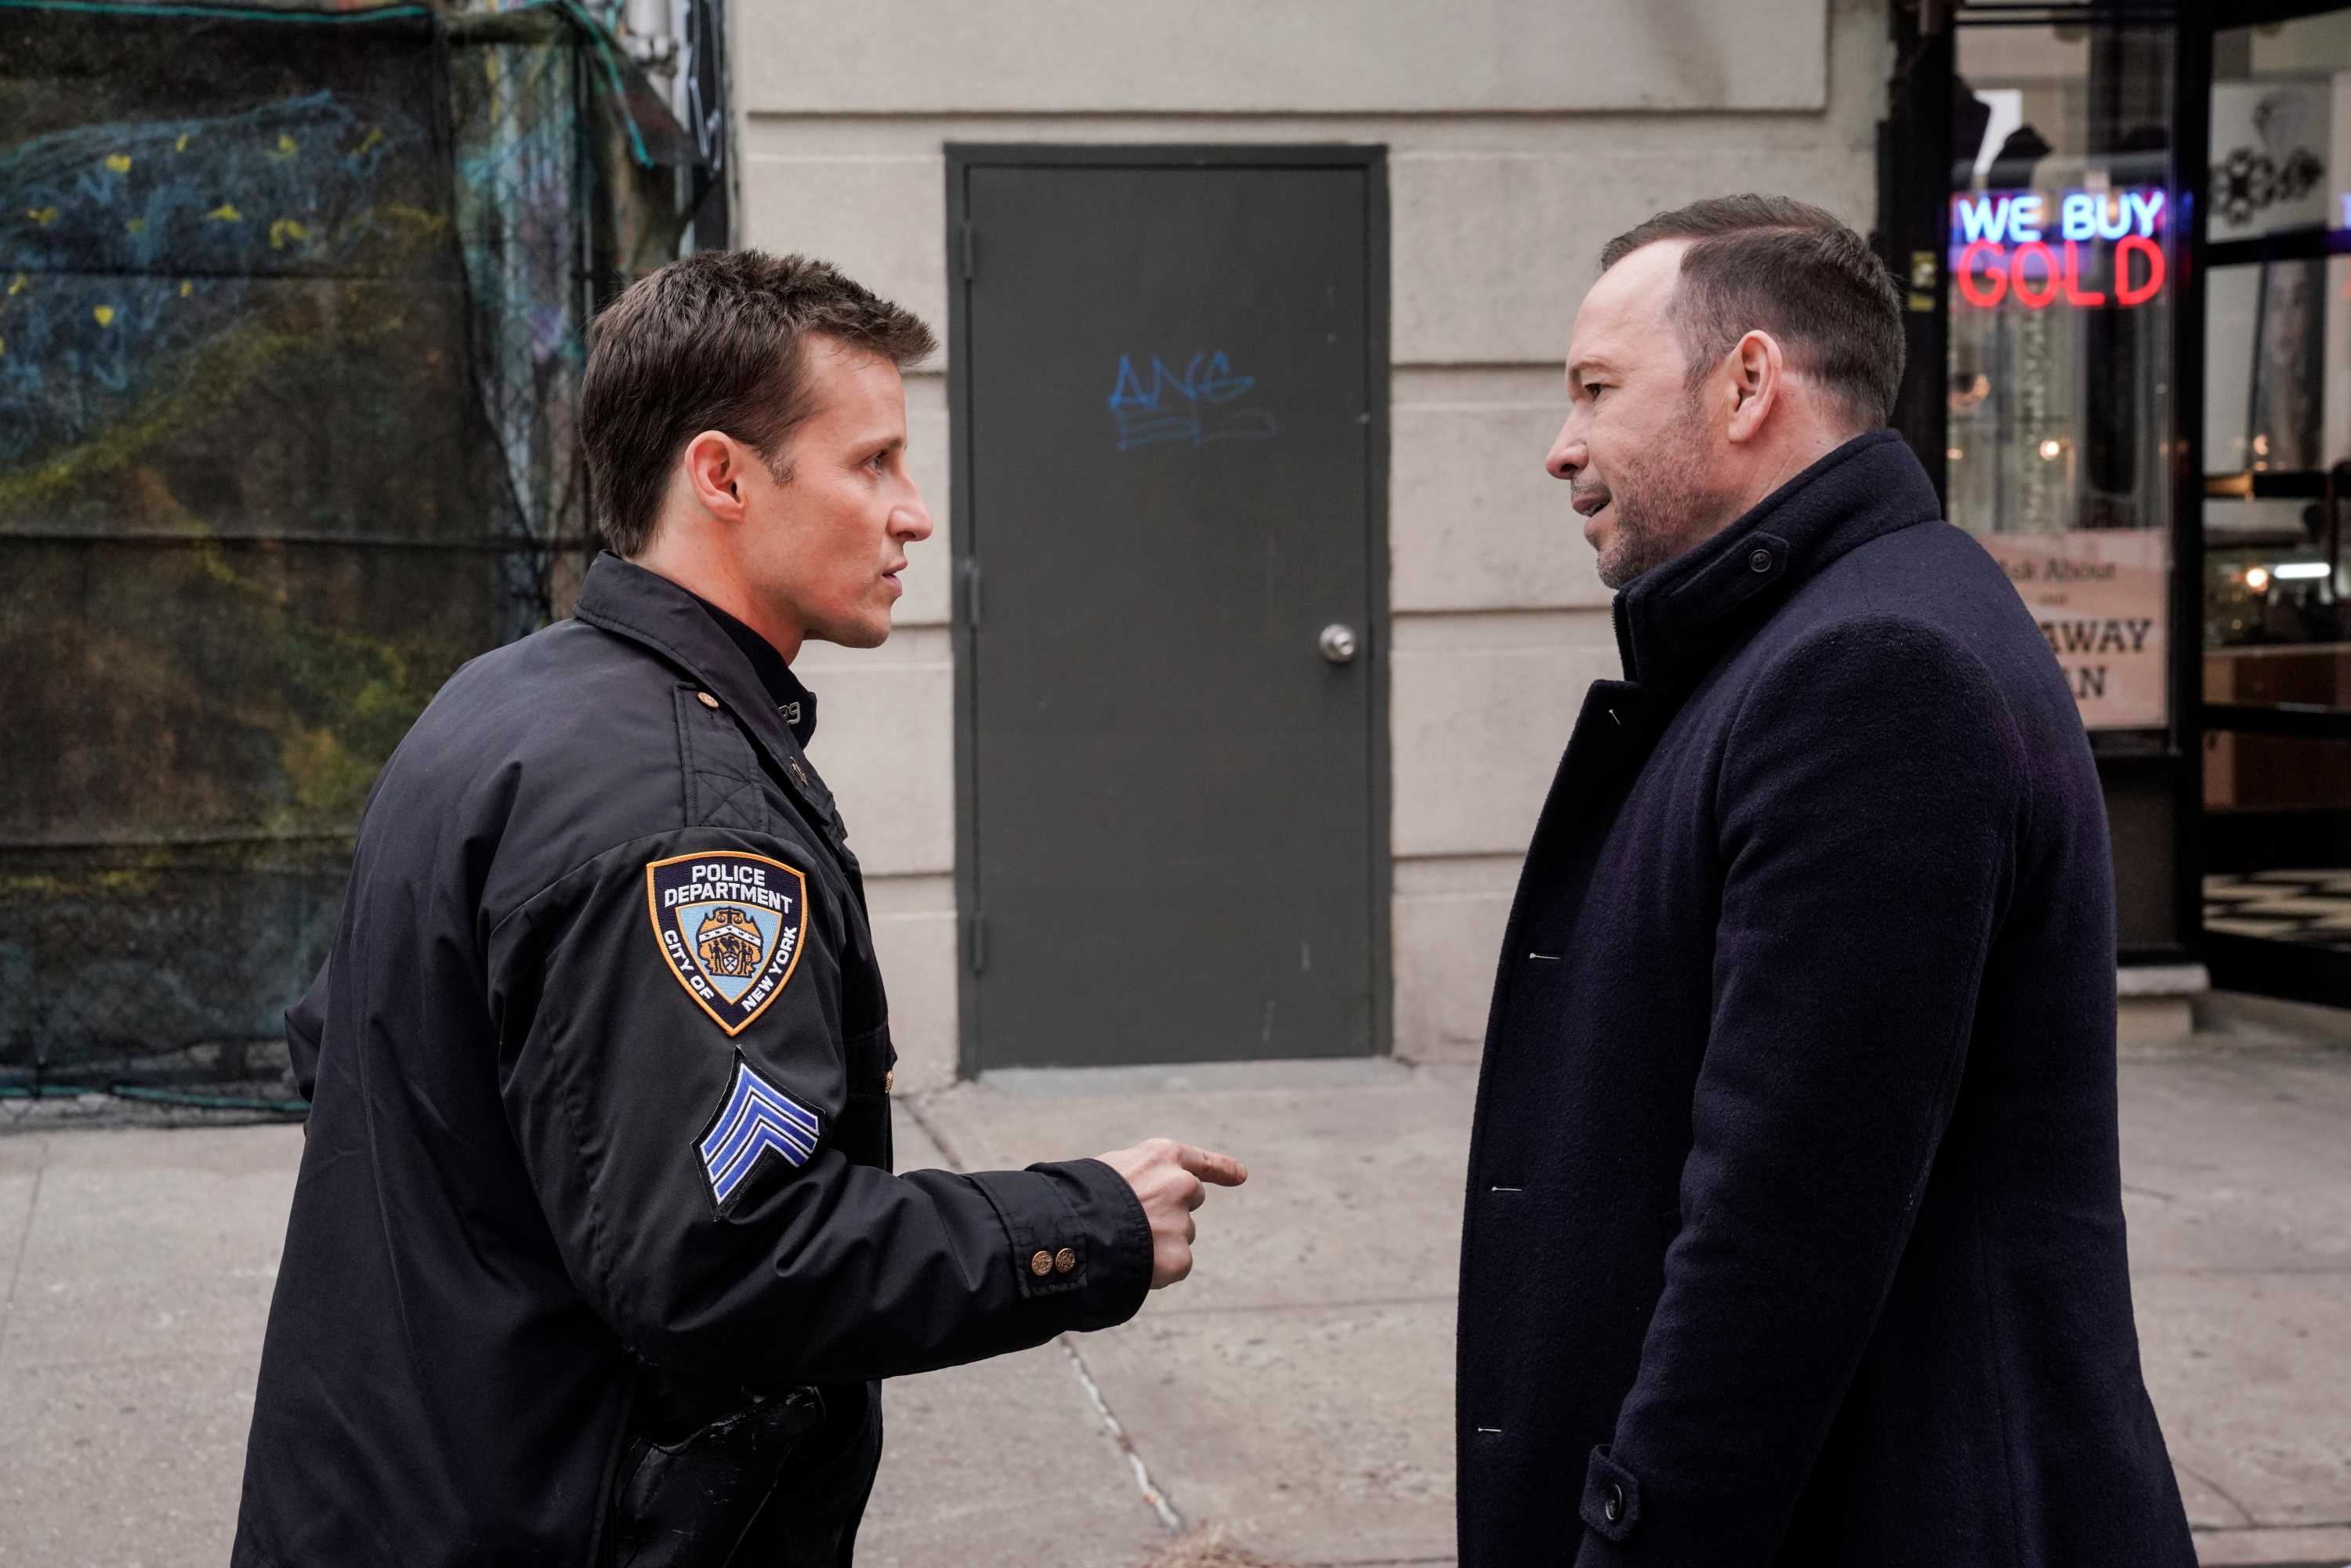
2022,218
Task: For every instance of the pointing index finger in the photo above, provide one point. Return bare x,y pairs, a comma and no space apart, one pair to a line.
1210,1166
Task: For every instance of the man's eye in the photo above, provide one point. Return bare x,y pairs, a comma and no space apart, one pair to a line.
1591,389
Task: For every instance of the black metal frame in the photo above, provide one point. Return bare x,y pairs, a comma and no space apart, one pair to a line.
2305,721
961,159
1914,163
2191,162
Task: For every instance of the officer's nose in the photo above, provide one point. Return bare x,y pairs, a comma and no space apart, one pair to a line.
911,520
1567,457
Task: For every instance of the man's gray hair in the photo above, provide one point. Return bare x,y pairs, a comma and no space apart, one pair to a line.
1783,267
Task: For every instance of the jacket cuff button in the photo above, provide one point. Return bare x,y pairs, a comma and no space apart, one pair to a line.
1041,1264
1612,1502
1065,1260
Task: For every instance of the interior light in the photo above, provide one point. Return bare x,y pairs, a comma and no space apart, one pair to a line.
1954,454
2301,570
2257,579
2051,448
2262,444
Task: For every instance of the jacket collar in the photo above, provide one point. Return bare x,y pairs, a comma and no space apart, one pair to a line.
1673,622
793,700
647,608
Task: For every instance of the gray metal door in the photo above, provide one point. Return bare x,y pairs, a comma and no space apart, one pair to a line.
1169,374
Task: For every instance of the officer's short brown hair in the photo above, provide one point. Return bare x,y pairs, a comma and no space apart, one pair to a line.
1783,267
717,341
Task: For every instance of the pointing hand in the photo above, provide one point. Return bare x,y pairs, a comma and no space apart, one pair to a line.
1168,1176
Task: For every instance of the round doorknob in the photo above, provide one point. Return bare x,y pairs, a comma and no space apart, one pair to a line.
1338,644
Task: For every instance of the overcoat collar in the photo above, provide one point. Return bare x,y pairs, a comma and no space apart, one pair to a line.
645,607
1673,623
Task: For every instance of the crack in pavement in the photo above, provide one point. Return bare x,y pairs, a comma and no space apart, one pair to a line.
24,1243
1153,1493
2217,1490
912,1105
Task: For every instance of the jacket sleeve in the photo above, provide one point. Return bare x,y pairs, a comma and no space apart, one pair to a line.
1868,812
690,1176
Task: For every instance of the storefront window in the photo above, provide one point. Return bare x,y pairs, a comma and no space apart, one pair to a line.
2064,262
2277,460
2277,410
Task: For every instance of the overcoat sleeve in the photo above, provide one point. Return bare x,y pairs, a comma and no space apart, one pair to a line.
691,1178
1868,813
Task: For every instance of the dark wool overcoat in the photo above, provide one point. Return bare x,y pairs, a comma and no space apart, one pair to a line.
1794,1227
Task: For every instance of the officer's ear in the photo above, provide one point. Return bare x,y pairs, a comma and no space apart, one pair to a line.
714,470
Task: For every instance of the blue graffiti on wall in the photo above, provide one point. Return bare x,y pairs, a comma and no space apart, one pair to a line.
1202,403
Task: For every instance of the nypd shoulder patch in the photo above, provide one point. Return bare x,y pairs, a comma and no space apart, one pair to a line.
757,1117
730,925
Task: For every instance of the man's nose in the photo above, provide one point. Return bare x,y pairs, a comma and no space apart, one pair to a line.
1567,455
910,519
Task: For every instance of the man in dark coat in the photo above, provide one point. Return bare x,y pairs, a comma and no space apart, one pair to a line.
1794,1227
596,1255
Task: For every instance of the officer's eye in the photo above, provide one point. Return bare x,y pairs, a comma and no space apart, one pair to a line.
1591,389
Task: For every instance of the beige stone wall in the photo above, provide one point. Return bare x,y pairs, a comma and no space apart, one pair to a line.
1281,56
1520,134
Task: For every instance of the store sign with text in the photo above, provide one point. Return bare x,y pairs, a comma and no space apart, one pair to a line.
2099,595
2043,248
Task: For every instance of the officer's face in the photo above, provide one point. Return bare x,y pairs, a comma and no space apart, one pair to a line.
1636,446
826,548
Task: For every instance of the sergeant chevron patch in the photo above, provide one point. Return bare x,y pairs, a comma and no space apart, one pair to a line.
757,1116
729,926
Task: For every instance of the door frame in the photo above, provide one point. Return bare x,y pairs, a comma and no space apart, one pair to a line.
965,253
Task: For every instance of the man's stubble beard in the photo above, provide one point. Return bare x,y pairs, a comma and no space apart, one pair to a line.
1662,511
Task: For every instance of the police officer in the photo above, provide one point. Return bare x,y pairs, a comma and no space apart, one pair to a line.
595,1253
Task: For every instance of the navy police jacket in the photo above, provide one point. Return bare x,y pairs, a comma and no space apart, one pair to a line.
597,1182
1795,1226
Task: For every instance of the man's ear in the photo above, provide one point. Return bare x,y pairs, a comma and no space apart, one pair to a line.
713,471
1758,371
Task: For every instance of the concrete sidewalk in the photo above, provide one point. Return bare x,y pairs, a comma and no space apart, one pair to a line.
1293,1396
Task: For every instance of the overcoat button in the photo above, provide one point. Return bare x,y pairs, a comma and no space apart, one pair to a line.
1065,1260
1611,1504
1761,560
1041,1264
705,699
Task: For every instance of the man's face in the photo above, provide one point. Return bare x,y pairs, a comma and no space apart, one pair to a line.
825,550
1637,445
